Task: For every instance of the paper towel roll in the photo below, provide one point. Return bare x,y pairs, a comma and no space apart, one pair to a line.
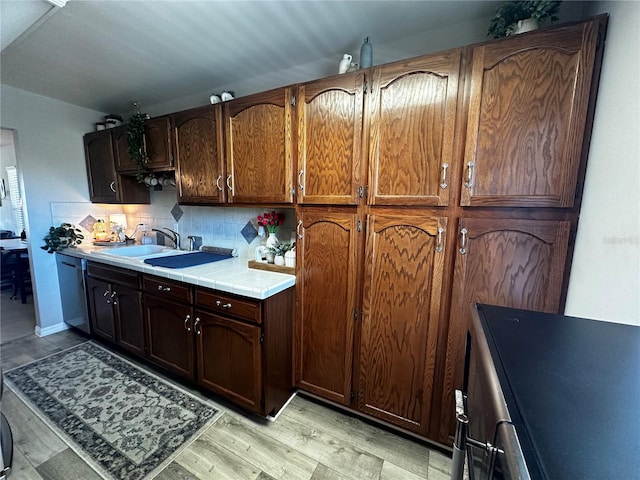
219,250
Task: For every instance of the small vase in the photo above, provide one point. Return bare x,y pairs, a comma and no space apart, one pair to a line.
345,63
278,260
366,54
272,240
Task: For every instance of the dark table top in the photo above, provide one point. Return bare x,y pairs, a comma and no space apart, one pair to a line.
572,386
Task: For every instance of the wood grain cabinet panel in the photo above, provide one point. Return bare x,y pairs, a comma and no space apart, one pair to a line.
157,143
171,343
326,293
129,319
198,147
527,116
506,262
120,138
100,312
412,111
230,359
404,264
258,135
330,119
100,167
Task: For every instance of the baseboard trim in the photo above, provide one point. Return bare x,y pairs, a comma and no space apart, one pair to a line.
58,327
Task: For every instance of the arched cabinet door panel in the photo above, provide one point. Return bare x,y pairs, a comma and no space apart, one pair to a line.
527,116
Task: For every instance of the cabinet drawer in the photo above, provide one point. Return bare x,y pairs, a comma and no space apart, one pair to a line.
165,288
229,305
130,278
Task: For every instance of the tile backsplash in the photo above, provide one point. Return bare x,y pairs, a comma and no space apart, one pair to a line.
218,226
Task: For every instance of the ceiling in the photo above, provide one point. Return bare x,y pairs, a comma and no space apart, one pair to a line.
105,54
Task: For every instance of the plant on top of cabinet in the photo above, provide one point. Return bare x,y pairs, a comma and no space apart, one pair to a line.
509,14
135,139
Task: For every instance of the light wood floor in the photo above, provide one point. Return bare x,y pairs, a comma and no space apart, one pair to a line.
307,441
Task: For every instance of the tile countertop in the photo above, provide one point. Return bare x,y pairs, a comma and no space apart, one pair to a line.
231,276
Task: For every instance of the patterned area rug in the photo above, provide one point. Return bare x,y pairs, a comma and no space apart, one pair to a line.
124,421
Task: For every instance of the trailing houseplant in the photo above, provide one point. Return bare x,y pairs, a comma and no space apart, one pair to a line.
135,139
508,14
64,236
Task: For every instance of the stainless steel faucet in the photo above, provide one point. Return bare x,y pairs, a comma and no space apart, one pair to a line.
174,236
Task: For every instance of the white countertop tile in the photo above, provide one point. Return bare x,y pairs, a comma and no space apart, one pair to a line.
231,276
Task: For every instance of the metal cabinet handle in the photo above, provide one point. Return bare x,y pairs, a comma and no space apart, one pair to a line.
229,186
186,320
195,326
443,183
463,241
300,184
218,183
223,305
299,234
469,182
112,186
113,294
439,245
162,288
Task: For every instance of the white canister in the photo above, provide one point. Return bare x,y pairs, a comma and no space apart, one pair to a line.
278,260
290,258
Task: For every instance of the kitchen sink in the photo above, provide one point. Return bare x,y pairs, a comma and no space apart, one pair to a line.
138,252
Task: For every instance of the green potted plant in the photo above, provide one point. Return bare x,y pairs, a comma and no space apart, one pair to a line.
135,139
64,236
509,14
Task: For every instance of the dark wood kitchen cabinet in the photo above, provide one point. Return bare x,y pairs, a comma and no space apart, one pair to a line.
243,348
105,185
198,146
115,306
412,117
330,116
403,276
169,320
157,145
505,262
527,114
326,302
258,136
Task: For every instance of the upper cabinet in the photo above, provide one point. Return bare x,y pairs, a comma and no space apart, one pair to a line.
329,115
412,112
527,115
105,185
157,144
197,139
258,135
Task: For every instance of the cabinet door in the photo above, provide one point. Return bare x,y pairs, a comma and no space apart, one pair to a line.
197,137
101,172
412,109
404,264
511,263
171,343
330,139
157,144
100,309
230,359
326,292
527,114
258,146
124,164
127,305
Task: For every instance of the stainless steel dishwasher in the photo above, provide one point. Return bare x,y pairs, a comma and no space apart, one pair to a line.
71,275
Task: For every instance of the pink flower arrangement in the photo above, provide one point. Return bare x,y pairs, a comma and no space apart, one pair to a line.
271,221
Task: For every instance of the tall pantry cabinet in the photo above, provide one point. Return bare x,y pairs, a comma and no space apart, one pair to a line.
467,188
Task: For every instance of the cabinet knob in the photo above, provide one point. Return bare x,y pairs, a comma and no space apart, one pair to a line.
186,321
469,182
112,186
298,232
218,186
463,241
223,305
229,186
443,183
162,288
300,184
195,326
439,245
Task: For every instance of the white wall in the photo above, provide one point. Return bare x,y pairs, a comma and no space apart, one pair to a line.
50,156
605,275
